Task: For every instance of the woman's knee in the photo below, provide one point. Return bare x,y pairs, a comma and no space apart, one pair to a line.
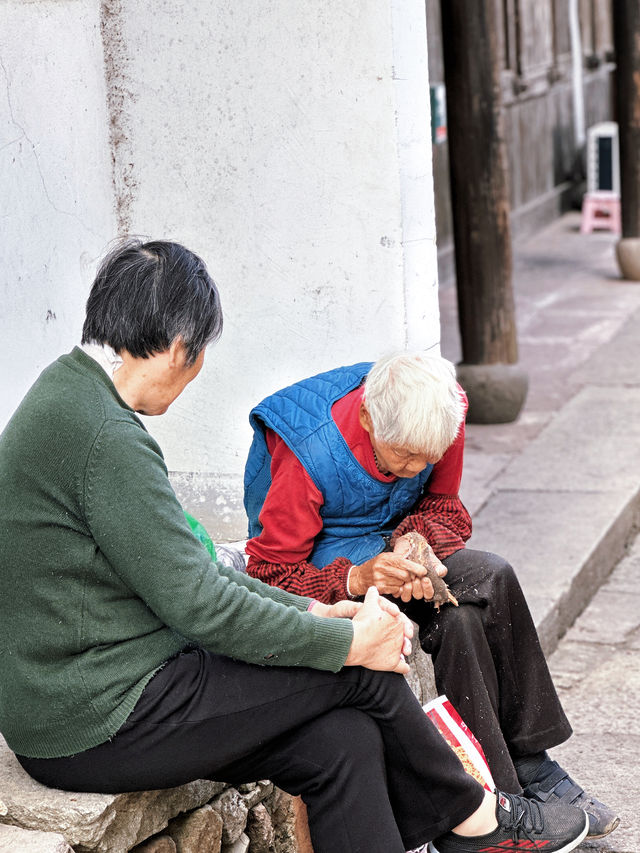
498,566
469,561
352,731
480,576
346,743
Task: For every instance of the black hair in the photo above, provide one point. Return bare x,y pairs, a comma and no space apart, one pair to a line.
145,295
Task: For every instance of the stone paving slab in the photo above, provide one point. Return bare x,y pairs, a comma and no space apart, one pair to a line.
564,507
592,444
604,770
480,471
609,623
562,547
619,361
596,669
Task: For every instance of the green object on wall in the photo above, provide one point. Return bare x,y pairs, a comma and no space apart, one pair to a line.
201,534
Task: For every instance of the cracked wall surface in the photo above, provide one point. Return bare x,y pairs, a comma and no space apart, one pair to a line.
121,101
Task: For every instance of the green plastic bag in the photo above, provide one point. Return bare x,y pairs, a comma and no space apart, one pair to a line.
201,534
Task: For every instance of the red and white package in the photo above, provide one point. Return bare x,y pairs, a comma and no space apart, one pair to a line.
461,740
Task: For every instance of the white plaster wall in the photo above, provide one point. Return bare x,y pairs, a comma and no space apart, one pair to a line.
55,188
294,156
287,143
419,245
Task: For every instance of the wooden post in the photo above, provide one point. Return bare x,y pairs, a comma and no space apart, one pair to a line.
626,34
481,211
301,826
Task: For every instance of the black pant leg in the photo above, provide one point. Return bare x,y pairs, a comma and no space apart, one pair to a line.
488,660
379,778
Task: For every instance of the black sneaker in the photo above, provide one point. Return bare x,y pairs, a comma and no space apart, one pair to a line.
552,784
522,825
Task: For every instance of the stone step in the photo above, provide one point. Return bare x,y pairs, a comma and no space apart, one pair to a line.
13,839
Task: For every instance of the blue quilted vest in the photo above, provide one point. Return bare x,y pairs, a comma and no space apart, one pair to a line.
358,510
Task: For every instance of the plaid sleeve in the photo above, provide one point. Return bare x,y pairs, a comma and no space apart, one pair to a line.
443,521
303,578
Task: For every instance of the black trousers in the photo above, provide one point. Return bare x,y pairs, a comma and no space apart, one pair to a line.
488,660
375,774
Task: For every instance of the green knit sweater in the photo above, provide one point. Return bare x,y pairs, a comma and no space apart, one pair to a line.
101,579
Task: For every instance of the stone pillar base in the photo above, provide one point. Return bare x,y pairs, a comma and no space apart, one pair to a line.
496,392
628,255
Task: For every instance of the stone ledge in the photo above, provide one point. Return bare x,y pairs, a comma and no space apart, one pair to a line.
200,817
14,839
105,823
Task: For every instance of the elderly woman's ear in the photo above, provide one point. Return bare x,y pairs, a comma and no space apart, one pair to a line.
150,385
365,419
178,355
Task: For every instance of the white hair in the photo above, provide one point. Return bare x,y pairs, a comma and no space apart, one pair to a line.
414,402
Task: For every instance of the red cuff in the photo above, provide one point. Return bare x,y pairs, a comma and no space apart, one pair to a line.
327,585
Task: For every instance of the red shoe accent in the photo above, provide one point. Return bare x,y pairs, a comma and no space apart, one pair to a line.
524,844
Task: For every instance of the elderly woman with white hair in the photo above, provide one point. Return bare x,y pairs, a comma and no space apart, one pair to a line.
341,467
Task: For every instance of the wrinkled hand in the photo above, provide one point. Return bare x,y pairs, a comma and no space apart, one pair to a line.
393,609
348,609
340,610
380,636
418,587
390,573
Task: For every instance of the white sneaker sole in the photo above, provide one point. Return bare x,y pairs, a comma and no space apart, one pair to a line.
567,847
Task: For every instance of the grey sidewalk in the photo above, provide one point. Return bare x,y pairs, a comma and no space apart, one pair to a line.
596,668
558,494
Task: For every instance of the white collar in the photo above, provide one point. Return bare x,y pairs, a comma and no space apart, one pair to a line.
107,358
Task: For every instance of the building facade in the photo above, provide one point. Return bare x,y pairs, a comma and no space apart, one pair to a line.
556,81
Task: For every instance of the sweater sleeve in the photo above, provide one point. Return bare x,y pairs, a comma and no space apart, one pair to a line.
328,584
138,524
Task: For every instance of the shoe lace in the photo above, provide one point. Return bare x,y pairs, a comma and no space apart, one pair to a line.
526,819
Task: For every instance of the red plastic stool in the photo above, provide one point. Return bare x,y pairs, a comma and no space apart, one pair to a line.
601,210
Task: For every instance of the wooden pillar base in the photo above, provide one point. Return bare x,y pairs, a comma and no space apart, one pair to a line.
301,826
496,392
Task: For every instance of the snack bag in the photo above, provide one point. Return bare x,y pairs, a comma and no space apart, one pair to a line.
461,740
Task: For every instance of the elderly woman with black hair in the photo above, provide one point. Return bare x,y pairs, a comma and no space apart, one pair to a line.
131,660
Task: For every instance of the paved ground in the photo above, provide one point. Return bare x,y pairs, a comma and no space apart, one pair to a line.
596,668
558,494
